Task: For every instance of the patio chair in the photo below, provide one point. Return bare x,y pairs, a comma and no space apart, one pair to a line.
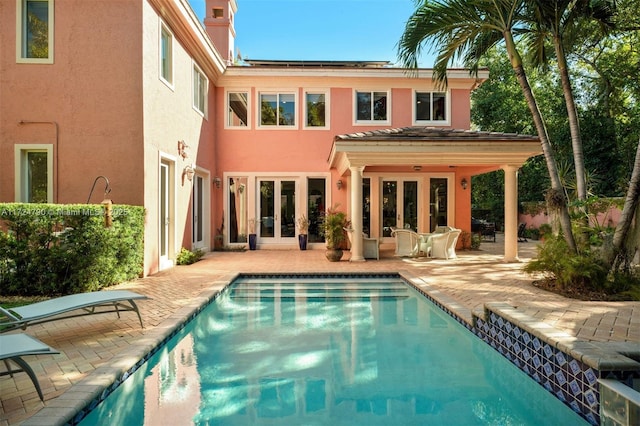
98,302
407,242
13,347
370,246
437,245
522,233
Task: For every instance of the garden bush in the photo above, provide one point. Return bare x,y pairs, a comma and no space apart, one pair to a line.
56,249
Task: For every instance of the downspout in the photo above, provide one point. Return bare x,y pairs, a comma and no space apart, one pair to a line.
55,155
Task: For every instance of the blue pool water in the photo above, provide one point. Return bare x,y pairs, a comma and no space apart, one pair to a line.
327,352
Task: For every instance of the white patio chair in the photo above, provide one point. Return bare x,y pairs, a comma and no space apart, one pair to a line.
437,245
407,242
451,243
370,246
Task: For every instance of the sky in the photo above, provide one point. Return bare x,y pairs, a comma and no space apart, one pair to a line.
331,30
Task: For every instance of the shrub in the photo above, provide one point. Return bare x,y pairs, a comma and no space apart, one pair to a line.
51,249
581,271
187,257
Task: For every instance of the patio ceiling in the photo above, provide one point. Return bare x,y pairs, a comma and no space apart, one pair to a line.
426,146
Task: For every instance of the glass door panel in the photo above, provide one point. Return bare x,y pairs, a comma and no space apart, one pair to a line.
316,200
267,209
389,206
410,205
438,202
287,209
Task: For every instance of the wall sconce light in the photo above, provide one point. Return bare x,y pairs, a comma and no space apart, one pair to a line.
464,183
339,184
188,172
217,181
182,149
417,168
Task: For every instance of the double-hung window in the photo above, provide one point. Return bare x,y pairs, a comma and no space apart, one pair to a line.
34,27
316,109
277,109
34,173
166,55
372,107
199,91
237,109
430,107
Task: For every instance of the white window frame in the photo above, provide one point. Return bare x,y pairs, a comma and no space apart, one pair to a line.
21,6
21,168
447,108
327,108
226,111
278,93
198,91
371,122
168,80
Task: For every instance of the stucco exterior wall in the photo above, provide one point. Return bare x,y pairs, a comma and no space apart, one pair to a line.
88,103
169,117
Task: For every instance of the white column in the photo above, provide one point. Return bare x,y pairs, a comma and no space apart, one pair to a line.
356,214
510,213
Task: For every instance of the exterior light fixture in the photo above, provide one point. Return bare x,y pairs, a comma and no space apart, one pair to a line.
188,172
464,183
339,184
217,182
417,168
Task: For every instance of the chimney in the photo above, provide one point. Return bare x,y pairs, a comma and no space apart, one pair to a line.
218,22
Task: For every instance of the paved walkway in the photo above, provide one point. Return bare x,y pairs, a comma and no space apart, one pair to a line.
476,277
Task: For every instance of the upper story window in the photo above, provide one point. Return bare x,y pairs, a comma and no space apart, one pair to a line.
34,38
430,107
316,109
277,109
372,107
34,173
238,109
166,55
199,90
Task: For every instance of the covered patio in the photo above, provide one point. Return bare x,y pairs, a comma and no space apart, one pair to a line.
457,154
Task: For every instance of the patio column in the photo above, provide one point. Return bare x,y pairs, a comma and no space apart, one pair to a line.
356,214
510,213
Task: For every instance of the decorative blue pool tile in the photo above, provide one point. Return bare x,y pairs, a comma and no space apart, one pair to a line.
560,378
591,398
591,377
575,387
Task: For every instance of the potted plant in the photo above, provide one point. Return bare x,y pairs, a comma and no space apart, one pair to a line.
252,234
303,229
333,224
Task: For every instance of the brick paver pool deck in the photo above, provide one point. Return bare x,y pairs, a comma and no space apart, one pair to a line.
91,347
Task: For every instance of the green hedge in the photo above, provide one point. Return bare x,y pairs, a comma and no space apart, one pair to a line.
56,249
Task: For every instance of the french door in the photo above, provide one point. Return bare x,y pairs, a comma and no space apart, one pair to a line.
165,216
399,204
277,210
197,212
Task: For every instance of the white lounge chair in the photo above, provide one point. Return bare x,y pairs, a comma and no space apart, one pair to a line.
370,246
443,245
97,302
407,242
14,346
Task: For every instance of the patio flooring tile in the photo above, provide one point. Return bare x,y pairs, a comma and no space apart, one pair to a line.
471,280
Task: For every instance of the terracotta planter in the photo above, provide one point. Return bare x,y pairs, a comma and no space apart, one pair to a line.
333,255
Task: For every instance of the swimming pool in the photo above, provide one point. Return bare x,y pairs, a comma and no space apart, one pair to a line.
327,351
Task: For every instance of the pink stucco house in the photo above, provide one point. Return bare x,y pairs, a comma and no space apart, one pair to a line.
142,93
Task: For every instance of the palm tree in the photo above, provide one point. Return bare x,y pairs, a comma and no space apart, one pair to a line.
466,30
554,19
